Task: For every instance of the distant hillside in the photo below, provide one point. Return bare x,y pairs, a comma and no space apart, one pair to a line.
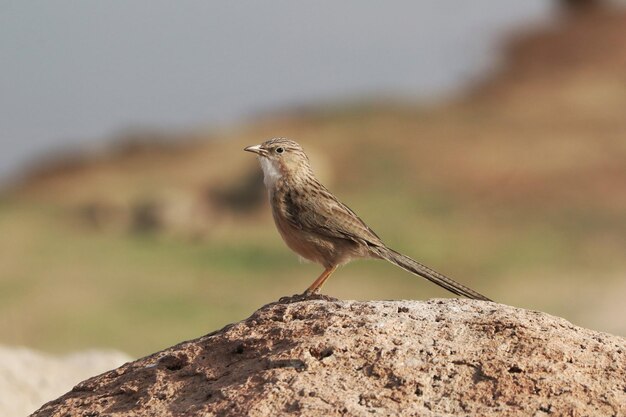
555,113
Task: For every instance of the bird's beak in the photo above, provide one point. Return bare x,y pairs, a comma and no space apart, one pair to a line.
255,149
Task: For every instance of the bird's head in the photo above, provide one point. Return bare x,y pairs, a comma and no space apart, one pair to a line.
281,157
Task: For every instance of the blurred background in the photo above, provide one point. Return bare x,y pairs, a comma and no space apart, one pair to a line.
486,139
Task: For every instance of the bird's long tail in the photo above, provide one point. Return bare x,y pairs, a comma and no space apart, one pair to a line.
417,268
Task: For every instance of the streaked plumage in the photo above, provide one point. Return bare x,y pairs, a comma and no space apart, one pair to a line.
318,227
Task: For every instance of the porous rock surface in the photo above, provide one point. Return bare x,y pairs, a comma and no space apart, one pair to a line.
325,357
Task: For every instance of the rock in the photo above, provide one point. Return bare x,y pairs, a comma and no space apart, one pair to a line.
325,357
28,378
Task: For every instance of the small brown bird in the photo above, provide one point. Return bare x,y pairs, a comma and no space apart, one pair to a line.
318,227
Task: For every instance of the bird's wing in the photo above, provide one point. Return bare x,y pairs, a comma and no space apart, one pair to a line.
326,216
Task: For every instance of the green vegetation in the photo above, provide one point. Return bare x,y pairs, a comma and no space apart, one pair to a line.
65,287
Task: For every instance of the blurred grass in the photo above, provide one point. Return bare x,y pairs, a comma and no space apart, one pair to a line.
64,287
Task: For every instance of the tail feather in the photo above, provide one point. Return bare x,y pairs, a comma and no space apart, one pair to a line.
415,267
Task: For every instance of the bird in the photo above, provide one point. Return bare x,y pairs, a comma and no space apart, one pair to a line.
318,227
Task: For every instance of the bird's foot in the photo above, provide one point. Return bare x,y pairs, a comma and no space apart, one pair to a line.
305,296
309,292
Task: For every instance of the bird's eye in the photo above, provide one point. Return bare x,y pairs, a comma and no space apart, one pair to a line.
280,150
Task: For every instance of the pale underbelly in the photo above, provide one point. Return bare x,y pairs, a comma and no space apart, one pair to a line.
326,251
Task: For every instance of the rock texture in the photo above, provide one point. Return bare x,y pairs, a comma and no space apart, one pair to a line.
29,378
325,357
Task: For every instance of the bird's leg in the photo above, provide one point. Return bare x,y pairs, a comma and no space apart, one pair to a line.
317,284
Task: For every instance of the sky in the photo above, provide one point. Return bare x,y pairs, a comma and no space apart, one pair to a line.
74,73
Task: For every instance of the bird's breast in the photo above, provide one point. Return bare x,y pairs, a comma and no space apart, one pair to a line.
300,241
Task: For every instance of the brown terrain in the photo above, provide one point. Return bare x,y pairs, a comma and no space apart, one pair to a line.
327,357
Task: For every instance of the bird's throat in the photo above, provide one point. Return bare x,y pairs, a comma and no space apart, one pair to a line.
271,172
